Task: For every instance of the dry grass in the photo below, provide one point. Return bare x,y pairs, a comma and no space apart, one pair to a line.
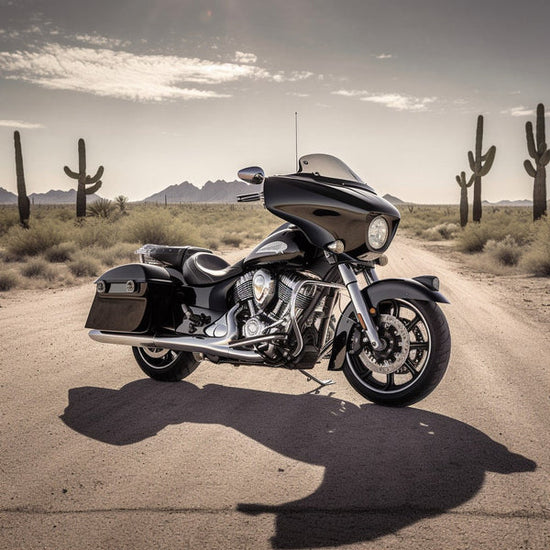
8,280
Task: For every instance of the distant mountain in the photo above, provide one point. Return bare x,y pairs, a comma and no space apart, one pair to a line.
7,197
392,199
56,196
520,202
213,191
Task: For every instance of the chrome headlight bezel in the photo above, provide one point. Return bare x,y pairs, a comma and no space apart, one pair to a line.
378,233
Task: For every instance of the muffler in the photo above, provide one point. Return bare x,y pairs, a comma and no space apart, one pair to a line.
193,344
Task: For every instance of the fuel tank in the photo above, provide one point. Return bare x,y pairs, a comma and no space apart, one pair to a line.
286,244
327,210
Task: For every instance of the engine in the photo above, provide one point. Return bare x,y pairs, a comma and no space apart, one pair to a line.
266,299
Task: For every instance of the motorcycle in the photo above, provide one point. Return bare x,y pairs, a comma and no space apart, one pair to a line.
277,307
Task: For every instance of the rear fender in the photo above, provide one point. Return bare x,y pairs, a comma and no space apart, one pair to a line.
386,289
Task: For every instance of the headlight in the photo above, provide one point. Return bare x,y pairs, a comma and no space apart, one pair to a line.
377,233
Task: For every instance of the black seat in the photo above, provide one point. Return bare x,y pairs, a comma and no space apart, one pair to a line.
172,256
205,268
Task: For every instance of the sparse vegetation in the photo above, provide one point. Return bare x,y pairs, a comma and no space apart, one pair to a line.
84,266
8,280
38,268
102,208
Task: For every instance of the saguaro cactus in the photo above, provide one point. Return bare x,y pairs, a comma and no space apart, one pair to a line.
541,155
22,199
464,185
87,185
480,166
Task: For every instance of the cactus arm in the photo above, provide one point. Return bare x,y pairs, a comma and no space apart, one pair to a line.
541,138
529,168
490,157
93,189
530,140
458,180
70,173
545,158
542,149
95,178
471,181
472,161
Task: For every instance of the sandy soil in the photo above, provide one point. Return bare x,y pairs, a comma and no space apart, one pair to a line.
93,455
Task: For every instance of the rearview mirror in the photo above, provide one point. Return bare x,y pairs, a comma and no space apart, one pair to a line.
252,174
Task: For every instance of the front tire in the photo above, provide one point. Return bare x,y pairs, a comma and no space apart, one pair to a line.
427,358
164,364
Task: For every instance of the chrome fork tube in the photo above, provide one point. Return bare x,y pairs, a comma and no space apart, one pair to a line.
361,310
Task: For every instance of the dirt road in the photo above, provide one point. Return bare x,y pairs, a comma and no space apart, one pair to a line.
93,455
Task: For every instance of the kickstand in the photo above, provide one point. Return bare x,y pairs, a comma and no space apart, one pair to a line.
310,376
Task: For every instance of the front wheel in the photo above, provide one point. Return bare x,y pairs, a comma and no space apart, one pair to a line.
165,365
417,348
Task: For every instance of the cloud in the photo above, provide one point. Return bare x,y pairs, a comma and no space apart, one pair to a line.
98,40
242,57
124,75
384,56
520,110
297,94
399,102
20,124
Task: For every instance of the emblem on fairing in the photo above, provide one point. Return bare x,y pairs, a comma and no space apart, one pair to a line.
263,285
274,247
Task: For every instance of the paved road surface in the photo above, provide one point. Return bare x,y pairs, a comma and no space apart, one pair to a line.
93,455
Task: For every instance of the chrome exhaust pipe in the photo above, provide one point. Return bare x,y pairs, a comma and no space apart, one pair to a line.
193,344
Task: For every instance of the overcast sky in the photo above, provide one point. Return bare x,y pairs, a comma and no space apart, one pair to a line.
171,90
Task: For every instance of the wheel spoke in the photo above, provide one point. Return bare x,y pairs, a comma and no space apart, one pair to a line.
409,325
411,369
419,345
396,308
389,382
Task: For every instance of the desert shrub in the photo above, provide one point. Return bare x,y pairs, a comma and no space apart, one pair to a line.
38,269
8,218
537,257
232,240
505,252
121,202
441,231
8,280
119,253
60,253
101,208
95,232
30,242
473,238
160,228
84,266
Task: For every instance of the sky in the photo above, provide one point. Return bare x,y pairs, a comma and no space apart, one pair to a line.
165,91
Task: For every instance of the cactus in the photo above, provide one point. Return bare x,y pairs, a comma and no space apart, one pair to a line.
480,166
541,155
22,199
84,181
461,180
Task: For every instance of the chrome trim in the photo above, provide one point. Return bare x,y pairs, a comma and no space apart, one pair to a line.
292,312
218,346
350,280
256,340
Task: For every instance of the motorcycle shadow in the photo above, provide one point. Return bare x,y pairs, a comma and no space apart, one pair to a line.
384,468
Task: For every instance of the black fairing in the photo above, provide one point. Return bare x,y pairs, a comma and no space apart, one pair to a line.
286,244
327,210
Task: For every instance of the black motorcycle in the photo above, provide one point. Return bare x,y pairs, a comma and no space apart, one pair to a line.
277,306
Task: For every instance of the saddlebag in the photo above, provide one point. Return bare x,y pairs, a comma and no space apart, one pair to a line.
133,298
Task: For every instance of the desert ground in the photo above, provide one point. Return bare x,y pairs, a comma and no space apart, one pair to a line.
94,455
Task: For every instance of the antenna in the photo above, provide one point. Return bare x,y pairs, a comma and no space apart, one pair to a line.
296,136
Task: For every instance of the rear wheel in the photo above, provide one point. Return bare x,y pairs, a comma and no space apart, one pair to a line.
165,365
417,347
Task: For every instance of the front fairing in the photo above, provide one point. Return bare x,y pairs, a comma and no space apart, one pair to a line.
328,209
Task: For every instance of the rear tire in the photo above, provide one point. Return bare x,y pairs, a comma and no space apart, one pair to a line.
164,364
426,363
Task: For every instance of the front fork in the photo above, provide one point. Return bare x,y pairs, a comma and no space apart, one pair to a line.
358,300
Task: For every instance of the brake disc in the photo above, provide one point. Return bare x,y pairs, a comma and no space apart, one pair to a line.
395,338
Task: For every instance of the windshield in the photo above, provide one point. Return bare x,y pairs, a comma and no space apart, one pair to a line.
327,166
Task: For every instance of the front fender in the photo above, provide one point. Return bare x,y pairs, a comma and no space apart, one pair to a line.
385,289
